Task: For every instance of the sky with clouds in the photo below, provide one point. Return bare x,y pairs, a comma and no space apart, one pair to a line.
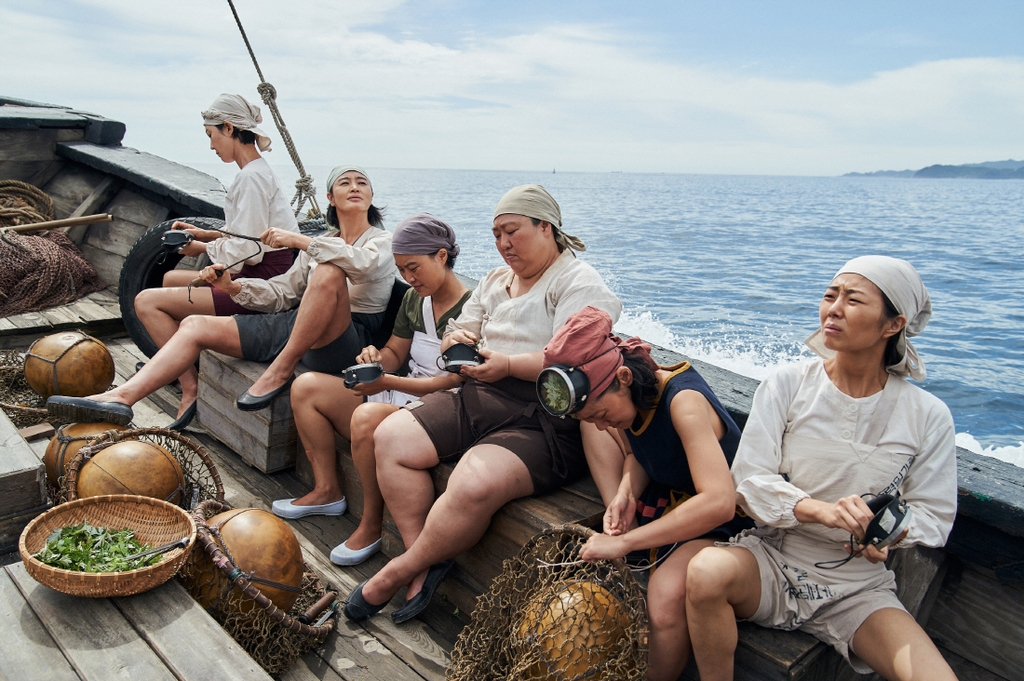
742,87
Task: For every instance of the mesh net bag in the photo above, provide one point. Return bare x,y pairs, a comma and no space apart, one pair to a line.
272,637
21,404
202,481
551,615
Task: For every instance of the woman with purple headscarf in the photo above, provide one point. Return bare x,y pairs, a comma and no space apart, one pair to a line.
424,249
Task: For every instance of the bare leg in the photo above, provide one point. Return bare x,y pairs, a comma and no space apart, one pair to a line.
485,479
324,314
405,455
179,277
896,646
177,358
669,648
161,309
605,457
365,420
322,405
721,585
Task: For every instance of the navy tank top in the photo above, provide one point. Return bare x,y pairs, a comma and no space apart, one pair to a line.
655,442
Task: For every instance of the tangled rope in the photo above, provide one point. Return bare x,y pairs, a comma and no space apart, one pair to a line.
23,204
304,188
37,271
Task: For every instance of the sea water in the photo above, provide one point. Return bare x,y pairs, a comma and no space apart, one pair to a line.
730,269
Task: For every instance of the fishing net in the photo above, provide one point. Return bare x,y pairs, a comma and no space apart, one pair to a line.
21,404
551,615
272,637
202,480
37,270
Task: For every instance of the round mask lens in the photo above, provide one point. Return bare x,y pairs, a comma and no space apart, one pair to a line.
562,390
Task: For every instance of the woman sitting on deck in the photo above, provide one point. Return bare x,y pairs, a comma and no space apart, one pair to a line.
254,203
425,251
675,494
821,434
511,447
322,311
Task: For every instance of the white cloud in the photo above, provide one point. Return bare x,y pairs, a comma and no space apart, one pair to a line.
568,96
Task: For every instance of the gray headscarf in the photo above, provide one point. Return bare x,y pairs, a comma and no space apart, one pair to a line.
533,201
902,285
423,234
237,111
341,170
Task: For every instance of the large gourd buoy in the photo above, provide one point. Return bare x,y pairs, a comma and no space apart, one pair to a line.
573,629
65,444
69,363
262,546
132,467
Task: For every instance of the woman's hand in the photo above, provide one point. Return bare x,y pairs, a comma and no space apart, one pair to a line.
380,385
849,513
601,546
461,336
496,366
875,555
369,355
620,515
223,282
203,235
282,238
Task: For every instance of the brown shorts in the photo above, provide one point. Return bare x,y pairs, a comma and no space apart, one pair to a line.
505,414
273,264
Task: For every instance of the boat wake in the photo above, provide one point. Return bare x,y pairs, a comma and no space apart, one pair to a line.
1010,454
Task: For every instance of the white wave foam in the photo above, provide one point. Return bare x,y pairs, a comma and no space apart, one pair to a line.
1009,454
735,354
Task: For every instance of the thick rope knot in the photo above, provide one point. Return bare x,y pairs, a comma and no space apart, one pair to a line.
268,92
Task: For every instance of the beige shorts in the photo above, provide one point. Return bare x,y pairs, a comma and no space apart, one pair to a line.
828,604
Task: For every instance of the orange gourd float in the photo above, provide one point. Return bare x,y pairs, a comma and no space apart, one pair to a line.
69,363
65,444
132,467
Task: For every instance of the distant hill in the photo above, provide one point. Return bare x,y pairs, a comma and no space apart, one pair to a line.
990,170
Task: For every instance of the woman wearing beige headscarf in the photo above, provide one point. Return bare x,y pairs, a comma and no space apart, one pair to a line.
512,448
820,435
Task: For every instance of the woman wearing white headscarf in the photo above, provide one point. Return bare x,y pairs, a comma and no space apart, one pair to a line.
255,202
821,434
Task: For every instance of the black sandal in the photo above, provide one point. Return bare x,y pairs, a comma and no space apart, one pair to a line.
420,601
358,608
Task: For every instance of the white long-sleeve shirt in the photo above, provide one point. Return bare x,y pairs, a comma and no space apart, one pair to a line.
367,263
800,400
255,202
525,324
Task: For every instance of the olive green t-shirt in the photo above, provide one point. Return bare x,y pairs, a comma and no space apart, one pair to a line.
410,315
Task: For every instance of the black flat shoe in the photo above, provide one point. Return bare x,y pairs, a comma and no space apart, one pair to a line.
357,608
83,410
420,601
185,419
250,402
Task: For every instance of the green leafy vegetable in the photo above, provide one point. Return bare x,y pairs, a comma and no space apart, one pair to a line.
84,548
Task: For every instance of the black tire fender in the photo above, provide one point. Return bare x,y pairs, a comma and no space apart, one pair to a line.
144,267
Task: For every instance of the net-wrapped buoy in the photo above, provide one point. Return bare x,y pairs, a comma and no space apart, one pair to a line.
574,627
132,467
69,363
259,544
65,444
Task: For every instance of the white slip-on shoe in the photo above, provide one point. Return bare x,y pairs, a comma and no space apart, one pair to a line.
284,508
343,555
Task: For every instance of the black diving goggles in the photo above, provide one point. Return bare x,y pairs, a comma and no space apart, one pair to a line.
562,390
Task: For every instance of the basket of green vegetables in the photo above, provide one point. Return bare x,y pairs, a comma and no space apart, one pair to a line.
114,545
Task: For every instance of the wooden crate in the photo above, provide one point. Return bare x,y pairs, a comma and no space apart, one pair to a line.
265,439
22,484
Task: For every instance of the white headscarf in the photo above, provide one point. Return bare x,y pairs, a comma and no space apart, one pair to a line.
237,111
902,285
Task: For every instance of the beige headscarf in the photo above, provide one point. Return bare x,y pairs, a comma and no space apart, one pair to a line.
338,171
237,111
902,285
533,201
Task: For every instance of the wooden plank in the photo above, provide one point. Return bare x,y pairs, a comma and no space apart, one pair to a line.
39,431
252,447
71,186
116,237
45,174
171,622
28,145
981,620
95,638
311,667
966,670
26,171
29,652
107,265
21,487
100,197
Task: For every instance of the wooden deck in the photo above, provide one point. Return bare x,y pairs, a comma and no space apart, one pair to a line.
376,649
97,314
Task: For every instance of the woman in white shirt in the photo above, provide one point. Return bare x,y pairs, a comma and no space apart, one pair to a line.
820,435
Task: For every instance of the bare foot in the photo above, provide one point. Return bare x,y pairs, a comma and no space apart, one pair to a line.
379,588
363,536
270,380
416,585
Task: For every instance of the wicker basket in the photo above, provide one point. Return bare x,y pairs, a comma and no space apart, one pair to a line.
155,523
202,480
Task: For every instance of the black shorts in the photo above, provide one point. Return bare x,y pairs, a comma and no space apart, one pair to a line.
505,414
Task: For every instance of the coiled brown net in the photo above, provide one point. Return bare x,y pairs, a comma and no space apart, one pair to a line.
550,615
38,270
21,404
273,638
